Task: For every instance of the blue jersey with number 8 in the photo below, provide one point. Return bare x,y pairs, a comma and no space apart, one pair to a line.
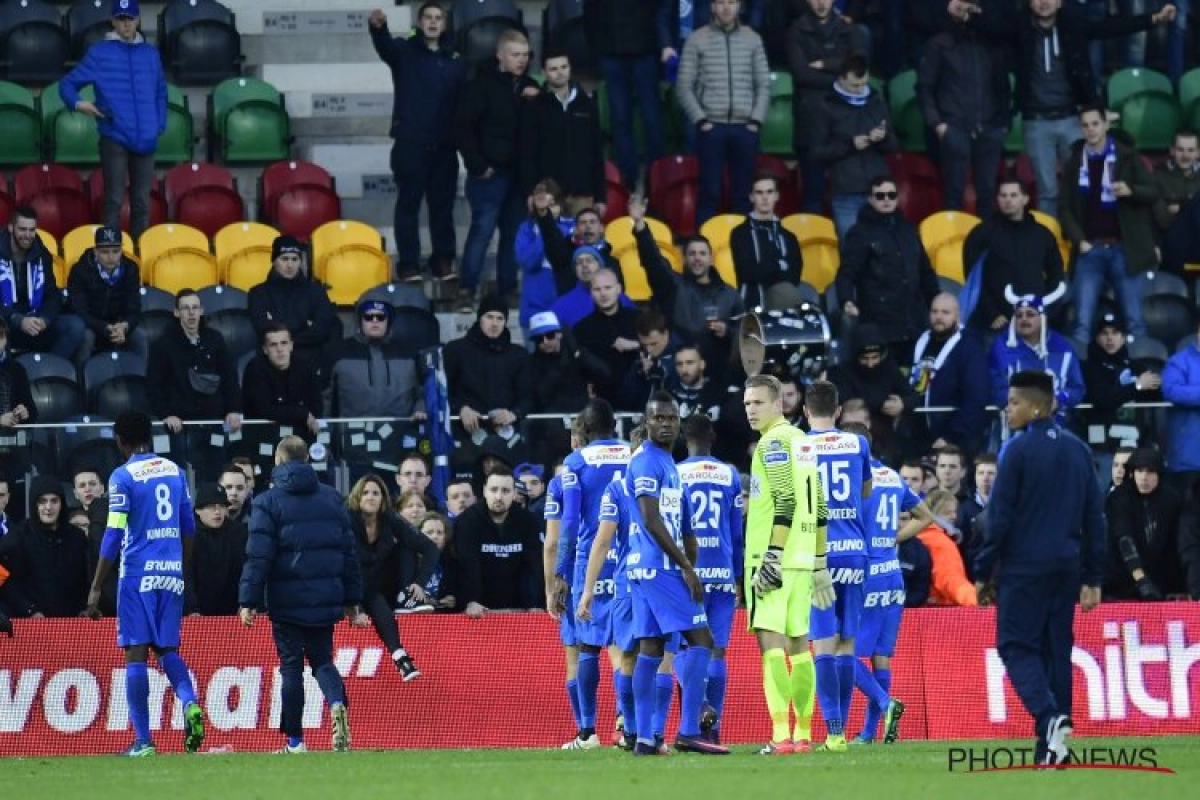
149,504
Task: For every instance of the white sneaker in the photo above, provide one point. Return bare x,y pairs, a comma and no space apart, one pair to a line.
1058,750
341,727
287,748
590,743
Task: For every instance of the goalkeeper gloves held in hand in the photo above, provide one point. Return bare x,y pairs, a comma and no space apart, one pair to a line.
823,595
769,576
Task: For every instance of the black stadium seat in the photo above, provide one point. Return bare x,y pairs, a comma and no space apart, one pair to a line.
200,42
33,44
87,22
477,25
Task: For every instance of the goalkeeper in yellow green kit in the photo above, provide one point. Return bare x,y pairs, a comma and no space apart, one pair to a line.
785,568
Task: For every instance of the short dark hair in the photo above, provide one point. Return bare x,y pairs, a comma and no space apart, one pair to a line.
912,463
1184,133
764,175
1099,108
952,450
273,327
134,427
231,468
699,428
821,399
987,458
882,178
858,429
417,455
26,211
1012,180
500,470
856,65
185,292
661,396
689,346
649,322
688,241
82,468
589,210
555,52
428,4
597,419
1035,381
1124,451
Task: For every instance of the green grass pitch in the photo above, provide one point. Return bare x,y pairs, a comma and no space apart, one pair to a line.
906,770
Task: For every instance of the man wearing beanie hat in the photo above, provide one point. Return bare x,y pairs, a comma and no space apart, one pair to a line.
1144,533
1113,380
218,553
287,295
487,375
47,557
130,111
104,289
374,374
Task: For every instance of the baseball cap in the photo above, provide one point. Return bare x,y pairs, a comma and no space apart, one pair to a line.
211,494
107,237
526,468
544,322
126,8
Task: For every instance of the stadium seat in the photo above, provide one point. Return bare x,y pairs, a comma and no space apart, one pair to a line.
103,367
56,399
176,256
418,327
70,136
20,126
1158,282
281,176
1064,247
1189,98
235,328
118,394
476,25
301,210
244,253
158,201
818,247
186,177
51,243
83,442
80,240
717,230
7,204
789,195
87,22
1126,83
1168,317
209,208
619,234
177,143
919,184
617,196
564,29
33,43
1151,118
249,123
949,285
37,178
674,184
57,194
200,42
158,310
401,295
943,235
219,297
47,365
349,258
776,136
906,111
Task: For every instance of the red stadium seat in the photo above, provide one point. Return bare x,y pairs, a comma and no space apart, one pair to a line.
183,178
209,208
789,190
301,210
919,184
57,194
36,177
617,199
674,187
284,175
158,202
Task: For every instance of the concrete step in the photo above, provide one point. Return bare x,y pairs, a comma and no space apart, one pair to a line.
308,16
361,89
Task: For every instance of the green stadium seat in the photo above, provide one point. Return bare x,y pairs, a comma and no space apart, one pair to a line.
906,111
249,122
1125,83
20,126
776,137
1189,98
71,137
177,143
1151,118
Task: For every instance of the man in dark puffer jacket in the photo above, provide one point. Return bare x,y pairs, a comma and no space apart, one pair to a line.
288,296
488,375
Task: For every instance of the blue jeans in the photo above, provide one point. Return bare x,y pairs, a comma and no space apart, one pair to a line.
732,145
1135,43
1105,263
845,212
812,175
625,76
1096,10
63,337
1177,40
495,202
982,151
429,172
293,643
1048,143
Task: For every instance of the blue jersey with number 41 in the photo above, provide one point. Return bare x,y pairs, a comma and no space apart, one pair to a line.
890,497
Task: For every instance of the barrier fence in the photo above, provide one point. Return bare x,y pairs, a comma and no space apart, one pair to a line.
498,682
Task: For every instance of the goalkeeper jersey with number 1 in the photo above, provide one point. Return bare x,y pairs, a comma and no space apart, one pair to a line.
784,486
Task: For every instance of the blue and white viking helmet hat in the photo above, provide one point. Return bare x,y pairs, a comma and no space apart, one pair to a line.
1038,304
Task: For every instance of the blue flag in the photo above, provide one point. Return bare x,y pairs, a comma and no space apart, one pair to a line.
437,406
968,295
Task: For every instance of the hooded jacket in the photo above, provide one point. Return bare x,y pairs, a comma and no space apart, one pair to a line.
835,123
48,564
99,303
300,304
426,85
1181,386
1145,534
1022,254
764,253
169,388
131,91
885,271
301,561
563,141
216,569
487,120
1111,383
376,378
488,374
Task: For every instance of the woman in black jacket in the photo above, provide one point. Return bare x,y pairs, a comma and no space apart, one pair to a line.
386,546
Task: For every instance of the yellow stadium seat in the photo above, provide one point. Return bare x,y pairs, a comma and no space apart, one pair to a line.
637,285
352,269
80,240
333,236
175,257
619,234
818,248
718,231
60,266
244,253
943,234
1050,222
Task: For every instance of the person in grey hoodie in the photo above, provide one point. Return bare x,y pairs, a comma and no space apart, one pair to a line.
372,374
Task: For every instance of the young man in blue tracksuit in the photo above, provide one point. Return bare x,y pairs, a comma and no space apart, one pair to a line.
130,110
1044,547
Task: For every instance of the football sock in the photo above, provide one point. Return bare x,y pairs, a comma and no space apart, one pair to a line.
693,673
177,674
573,696
829,693
664,689
644,696
714,693
137,696
776,687
804,695
589,683
845,670
881,680
625,702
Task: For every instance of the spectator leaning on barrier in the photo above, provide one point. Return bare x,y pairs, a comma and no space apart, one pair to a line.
1144,533
949,371
288,296
104,290
218,552
281,386
30,300
1181,387
130,109
374,374
949,585
487,375
1112,382
47,557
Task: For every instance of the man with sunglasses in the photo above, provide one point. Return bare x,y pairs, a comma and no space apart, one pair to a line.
374,374
885,277
556,366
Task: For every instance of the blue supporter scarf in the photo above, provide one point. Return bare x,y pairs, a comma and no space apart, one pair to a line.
110,279
859,99
8,284
1107,198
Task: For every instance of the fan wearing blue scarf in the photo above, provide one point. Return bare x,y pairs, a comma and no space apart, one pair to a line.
30,300
104,290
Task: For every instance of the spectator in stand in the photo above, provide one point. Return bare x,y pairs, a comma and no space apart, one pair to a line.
460,495
765,253
949,371
963,88
218,552
87,486
532,487
282,386
1108,221
577,303
90,490
1031,345
1112,382
1054,76
47,558
1181,387
561,140
818,44
6,523
874,375
1145,535
104,291
130,109
952,467
654,368
724,89
539,289
885,277
486,125
427,79
289,296
374,374
1177,182
692,388
30,300
414,475
1013,249
793,401
971,516
560,247
500,555
387,548
557,366
487,375
851,133
609,335
949,585
191,376
440,586
412,507
236,487
622,34
913,474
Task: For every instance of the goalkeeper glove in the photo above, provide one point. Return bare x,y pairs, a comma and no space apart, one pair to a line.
1147,590
823,595
769,576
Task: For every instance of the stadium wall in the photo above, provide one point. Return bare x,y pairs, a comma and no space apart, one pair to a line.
497,682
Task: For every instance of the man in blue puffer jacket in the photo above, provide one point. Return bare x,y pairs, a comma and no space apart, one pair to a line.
302,568
1181,386
130,108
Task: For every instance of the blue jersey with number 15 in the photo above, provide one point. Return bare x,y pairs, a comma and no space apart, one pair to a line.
149,504
844,460
713,494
